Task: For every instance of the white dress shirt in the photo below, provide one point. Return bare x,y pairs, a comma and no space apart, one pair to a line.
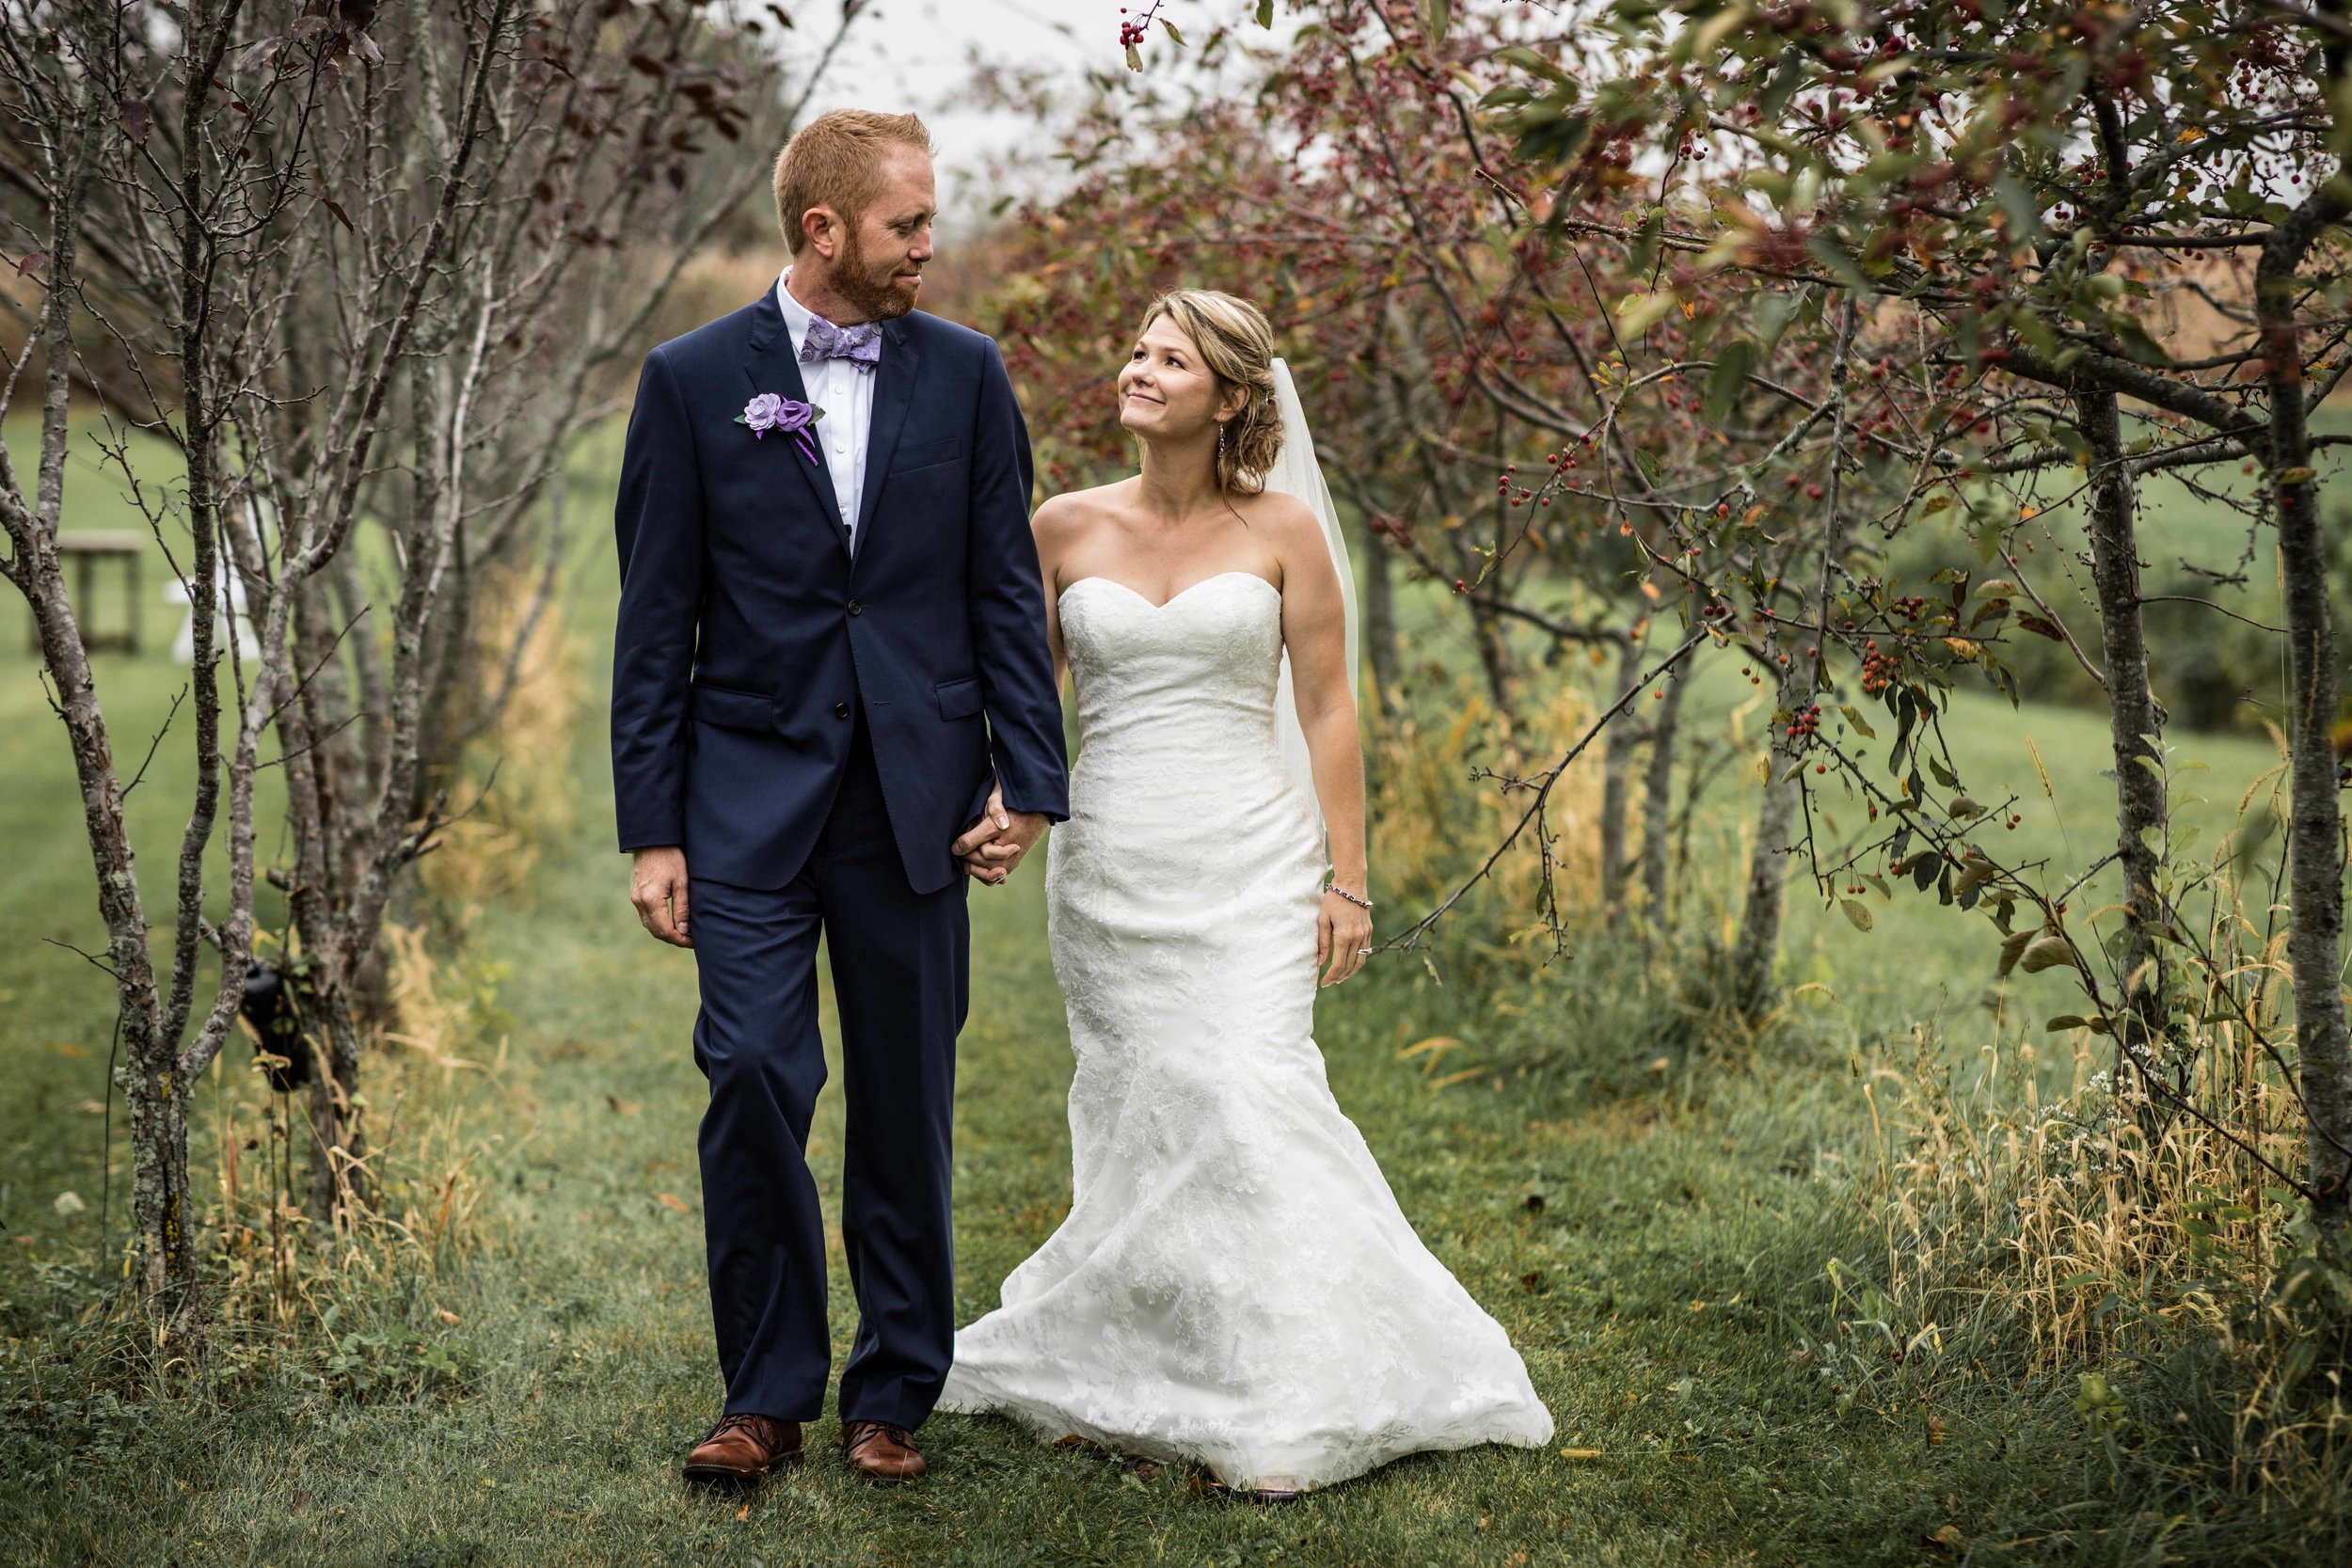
845,392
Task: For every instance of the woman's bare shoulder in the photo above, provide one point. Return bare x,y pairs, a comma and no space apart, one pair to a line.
1061,520
1289,527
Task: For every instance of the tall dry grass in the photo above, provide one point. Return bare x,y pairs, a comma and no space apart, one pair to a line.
2114,1226
1434,823
436,1064
519,767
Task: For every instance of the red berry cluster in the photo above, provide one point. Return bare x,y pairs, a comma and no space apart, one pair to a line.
1132,33
1520,495
1878,669
1808,719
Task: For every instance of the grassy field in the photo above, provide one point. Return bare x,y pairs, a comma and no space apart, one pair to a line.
1660,1251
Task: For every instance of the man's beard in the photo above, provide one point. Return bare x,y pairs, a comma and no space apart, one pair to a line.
875,294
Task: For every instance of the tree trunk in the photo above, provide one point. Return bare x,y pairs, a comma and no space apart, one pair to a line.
1657,797
2134,727
2315,842
165,1273
1617,777
1758,942
1380,626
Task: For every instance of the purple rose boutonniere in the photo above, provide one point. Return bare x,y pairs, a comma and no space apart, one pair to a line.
769,412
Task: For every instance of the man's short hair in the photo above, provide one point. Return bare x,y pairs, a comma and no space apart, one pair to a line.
835,161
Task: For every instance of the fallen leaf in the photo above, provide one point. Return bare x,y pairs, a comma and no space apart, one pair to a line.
447,1317
63,1049
620,1106
742,1513
671,1200
1579,1453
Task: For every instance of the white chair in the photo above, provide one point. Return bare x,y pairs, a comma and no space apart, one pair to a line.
240,627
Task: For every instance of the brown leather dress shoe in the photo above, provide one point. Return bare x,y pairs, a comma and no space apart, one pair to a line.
741,1449
881,1450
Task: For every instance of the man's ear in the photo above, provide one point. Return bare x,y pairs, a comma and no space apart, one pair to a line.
821,227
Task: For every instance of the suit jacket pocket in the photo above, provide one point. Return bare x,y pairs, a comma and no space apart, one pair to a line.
929,454
731,708
959,699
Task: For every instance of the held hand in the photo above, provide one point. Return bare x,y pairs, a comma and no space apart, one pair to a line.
1342,935
972,848
657,888
994,846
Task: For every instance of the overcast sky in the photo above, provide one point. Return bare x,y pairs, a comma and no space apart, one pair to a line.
915,53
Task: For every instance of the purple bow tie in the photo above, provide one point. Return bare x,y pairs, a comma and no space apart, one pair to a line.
861,345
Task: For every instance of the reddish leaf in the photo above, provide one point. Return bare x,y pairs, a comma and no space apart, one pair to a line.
136,118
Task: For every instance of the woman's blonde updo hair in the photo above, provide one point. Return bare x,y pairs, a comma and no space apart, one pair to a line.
1237,346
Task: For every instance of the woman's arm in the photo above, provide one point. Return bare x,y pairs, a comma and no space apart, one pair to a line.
1314,631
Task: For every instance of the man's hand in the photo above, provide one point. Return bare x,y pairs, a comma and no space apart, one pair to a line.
990,847
657,885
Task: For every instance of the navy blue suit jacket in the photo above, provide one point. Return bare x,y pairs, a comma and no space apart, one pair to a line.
748,631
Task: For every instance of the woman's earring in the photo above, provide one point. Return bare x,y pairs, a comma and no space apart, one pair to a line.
1220,440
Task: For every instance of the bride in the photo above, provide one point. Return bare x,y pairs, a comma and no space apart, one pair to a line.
1234,1283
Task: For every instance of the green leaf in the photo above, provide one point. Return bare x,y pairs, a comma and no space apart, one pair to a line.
1440,18
2024,218
1638,313
1173,32
1854,718
2066,1021
1841,265
2045,953
1728,379
1135,61
1265,13
2012,947
1784,82
1528,59
1857,911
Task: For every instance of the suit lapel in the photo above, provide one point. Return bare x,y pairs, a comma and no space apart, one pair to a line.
772,364
893,394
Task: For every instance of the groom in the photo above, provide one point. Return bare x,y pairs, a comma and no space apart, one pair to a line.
827,580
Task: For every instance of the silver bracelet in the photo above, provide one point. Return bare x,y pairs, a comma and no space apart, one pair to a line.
1360,903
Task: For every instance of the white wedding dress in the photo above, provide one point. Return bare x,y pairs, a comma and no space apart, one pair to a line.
1234,1283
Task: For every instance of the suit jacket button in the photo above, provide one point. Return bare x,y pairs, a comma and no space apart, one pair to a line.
856,609
840,710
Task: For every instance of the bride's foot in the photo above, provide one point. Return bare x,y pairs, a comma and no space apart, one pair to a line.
1274,1489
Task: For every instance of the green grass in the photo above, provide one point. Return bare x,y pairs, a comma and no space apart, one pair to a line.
1669,1294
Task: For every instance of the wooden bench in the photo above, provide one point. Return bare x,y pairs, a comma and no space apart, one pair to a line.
85,549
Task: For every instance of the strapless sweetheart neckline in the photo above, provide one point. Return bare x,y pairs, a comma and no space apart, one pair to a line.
1138,597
